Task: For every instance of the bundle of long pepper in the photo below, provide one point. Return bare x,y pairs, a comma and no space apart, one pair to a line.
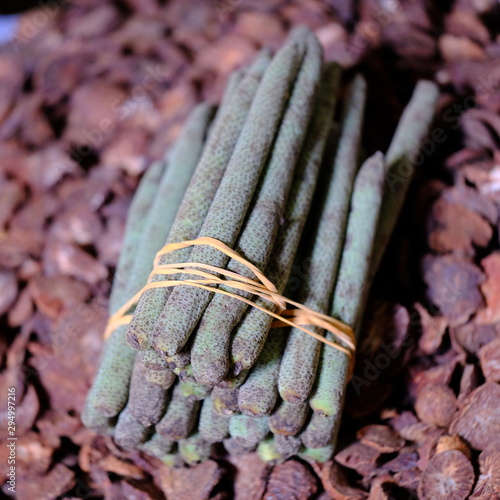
194,368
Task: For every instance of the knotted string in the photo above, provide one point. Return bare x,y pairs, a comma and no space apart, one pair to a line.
261,286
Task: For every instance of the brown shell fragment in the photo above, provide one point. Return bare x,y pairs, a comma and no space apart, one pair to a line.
359,457
488,483
188,483
436,404
453,286
448,476
491,289
291,480
478,422
336,484
448,236
489,357
381,437
447,443
433,329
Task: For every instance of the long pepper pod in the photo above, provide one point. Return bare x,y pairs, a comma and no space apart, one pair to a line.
162,212
146,400
109,391
157,445
349,298
288,419
248,431
210,356
401,159
199,195
225,401
212,426
129,433
301,356
194,449
230,205
179,420
251,333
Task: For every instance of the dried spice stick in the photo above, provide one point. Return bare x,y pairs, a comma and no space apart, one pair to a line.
233,447
180,418
199,195
258,394
230,205
210,356
96,421
248,431
301,355
191,388
212,426
163,378
250,335
225,400
146,401
288,419
349,298
287,446
267,451
401,158
157,445
129,433
317,454
194,449
109,391
233,382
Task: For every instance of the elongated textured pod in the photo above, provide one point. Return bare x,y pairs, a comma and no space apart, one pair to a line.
138,212
97,422
192,389
153,360
163,378
212,426
259,393
225,218
349,298
194,449
173,460
225,401
250,334
231,88
109,391
181,359
267,451
401,159
301,356
210,356
320,431
179,420
199,195
233,447
146,401
287,446
288,419
319,455
234,382
157,446
248,430
183,159
129,433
